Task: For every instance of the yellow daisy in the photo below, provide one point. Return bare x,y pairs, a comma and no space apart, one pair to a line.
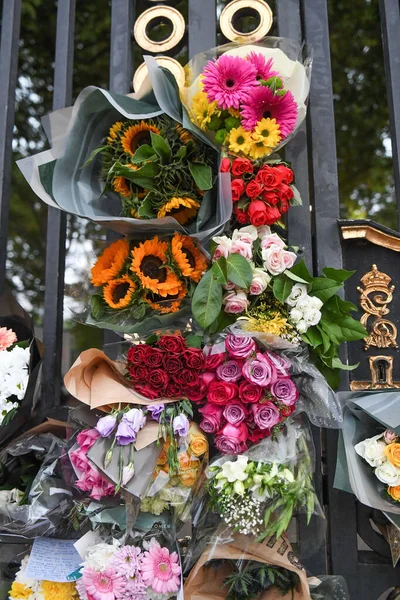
239,140
268,132
203,110
258,150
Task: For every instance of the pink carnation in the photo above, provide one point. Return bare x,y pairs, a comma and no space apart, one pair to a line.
7,338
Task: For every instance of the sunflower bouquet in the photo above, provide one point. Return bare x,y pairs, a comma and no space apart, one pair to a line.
157,168
135,280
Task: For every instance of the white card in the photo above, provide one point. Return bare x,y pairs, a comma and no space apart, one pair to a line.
53,560
85,542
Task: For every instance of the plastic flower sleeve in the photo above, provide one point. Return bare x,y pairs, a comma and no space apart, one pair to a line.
255,88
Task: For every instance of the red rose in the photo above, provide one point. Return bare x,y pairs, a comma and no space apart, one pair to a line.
174,344
196,394
270,177
158,378
194,358
172,364
138,373
207,377
284,207
154,358
285,192
221,392
186,378
173,390
258,213
271,198
256,434
273,215
286,411
212,418
250,392
241,166
241,216
147,391
286,173
137,354
214,360
225,165
253,189
238,187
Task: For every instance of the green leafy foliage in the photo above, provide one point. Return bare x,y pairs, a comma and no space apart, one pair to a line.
207,300
202,174
239,270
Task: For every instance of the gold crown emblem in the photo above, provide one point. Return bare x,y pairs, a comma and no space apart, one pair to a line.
377,280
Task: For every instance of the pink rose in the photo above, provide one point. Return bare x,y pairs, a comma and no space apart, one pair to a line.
259,282
250,392
232,439
234,413
274,260
285,390
207,377
80,460
390,436
272,239
242,248
289,258
265,415
87,438
212,418
230,371
235,302
223,248
259,371
281,363
222,392
239,346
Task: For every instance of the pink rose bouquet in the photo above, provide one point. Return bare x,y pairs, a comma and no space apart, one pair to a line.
89,478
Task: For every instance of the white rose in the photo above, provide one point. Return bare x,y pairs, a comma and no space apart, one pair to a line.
259,282
272,239
388,474
302,326
312,316
304,303
247,234
299,290
273,260
223,248
235,302
295,315
372,450
316,302
263,231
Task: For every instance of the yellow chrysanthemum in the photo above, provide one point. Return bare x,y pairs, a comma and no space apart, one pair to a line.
239,140
273,324
189,259
110,263
148,263
268,132
137,135
114,130
19,590
60,591
169,304
203,110
182,209
118,292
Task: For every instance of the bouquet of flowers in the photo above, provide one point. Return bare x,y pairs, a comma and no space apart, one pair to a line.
24,588
14,373
115,571
254,277
261,194
248,393
137,280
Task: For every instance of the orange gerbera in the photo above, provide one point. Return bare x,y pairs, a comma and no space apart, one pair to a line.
110,263
182,209
148,262
137,135
169,304
190,260
118,292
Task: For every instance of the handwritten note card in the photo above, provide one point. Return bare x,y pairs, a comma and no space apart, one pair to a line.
53,560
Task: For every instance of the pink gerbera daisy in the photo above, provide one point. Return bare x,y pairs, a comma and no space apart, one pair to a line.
228,80
262,103
262,65
161,570
7,338
103,585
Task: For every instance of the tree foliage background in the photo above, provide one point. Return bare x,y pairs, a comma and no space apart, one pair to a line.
365,167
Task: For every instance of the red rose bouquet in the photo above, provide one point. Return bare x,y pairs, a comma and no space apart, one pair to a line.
261,193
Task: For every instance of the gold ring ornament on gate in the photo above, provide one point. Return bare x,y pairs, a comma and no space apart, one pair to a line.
164,61
230,12
157,13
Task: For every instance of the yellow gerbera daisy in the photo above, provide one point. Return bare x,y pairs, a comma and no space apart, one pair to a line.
110,263
114,130
239,140
189,259
148,262
203,110
118,292
268,132
137,135
182,209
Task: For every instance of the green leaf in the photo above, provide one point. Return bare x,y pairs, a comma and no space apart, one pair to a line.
352,329
181,152
162,148
146,209
337,364
139,312
326,341
97,306
221,322
202,175
339,275
152,339
143,176
324,288
194,341
300,269
281,287
220,270
294,277
239,270
143,153
207,300
94,153
296,200
339,306
313,337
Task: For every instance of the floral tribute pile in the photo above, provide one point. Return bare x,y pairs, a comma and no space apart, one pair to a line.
14,374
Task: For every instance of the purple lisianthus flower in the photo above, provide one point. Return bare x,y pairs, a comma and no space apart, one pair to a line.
156,411
234,413
265,415
125,434
239,346
259,370
136,418
181,425
105,425
285,390
229,371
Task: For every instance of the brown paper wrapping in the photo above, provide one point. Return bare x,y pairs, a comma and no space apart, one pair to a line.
204,583
57,428
98,381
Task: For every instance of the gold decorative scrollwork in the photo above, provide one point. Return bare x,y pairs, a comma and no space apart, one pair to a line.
232,11
375,295
156,13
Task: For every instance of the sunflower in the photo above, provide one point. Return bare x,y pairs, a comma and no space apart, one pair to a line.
137,135
239,140
148,263
267,131
110,263
121,187
114,130
182,209
118,292
203,110
183,134
190,260
168,304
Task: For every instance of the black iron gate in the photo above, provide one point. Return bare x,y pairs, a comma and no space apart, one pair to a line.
314,226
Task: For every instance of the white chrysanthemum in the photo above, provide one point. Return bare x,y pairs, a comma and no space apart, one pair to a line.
99,556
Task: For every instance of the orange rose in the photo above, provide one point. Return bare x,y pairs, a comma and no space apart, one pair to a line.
198,444
184,460
392,452
394,492
163,456
188,477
